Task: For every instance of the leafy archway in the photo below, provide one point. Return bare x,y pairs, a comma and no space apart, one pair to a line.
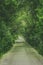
21,17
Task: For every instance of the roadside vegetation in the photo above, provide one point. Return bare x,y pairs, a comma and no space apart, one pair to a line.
21,17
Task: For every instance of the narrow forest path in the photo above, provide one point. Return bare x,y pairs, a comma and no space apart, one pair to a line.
22,54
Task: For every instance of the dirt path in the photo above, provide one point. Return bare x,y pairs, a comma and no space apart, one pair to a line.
21,55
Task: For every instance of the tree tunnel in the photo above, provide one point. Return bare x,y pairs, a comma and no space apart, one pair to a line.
21,17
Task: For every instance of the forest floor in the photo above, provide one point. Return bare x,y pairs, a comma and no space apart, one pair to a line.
22,54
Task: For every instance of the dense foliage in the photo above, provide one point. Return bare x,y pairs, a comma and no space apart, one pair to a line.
21,17
34,29
8,25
